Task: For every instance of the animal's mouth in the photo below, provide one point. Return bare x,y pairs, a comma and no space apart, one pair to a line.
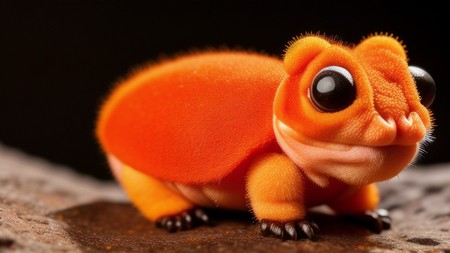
353,164
290,133
379,133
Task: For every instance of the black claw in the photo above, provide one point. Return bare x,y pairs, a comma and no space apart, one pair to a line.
201,215
170,226
306,229
183,221
276,230
376,221
178,223
161,222
386,220
265,228
290,230
187,220
314,227
386,223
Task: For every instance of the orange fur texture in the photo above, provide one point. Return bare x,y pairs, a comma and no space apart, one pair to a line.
193,130
385,88
205,114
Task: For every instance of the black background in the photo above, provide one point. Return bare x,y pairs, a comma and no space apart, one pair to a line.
59,58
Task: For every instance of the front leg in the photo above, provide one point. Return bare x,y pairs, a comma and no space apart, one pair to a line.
361,207
275,189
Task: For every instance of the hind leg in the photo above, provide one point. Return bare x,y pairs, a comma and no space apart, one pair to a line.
361,207
158,202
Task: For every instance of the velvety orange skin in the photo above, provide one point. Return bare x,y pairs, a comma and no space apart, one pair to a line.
383,126
384,85
238,130
193,121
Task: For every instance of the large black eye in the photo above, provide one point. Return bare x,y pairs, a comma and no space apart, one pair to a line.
425,85
333,89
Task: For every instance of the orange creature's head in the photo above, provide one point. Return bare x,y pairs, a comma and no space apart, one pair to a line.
354,113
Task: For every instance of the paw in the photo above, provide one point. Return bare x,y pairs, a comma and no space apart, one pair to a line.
290,230
183,221
376,221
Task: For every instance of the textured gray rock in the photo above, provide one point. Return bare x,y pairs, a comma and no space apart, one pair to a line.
30,190
47,208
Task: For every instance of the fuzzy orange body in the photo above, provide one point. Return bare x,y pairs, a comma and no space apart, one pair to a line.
196,115
241,130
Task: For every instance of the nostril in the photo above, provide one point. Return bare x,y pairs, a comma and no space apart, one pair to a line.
413,120
389,122
411,129
401,130
408,121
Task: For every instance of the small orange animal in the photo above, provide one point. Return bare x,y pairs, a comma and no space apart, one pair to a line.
239,130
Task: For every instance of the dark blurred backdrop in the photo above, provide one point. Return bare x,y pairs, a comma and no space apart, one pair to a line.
59,58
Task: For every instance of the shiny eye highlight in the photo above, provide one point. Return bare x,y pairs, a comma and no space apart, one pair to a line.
333,89
425,85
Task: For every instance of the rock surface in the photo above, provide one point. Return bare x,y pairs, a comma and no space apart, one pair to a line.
47,208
